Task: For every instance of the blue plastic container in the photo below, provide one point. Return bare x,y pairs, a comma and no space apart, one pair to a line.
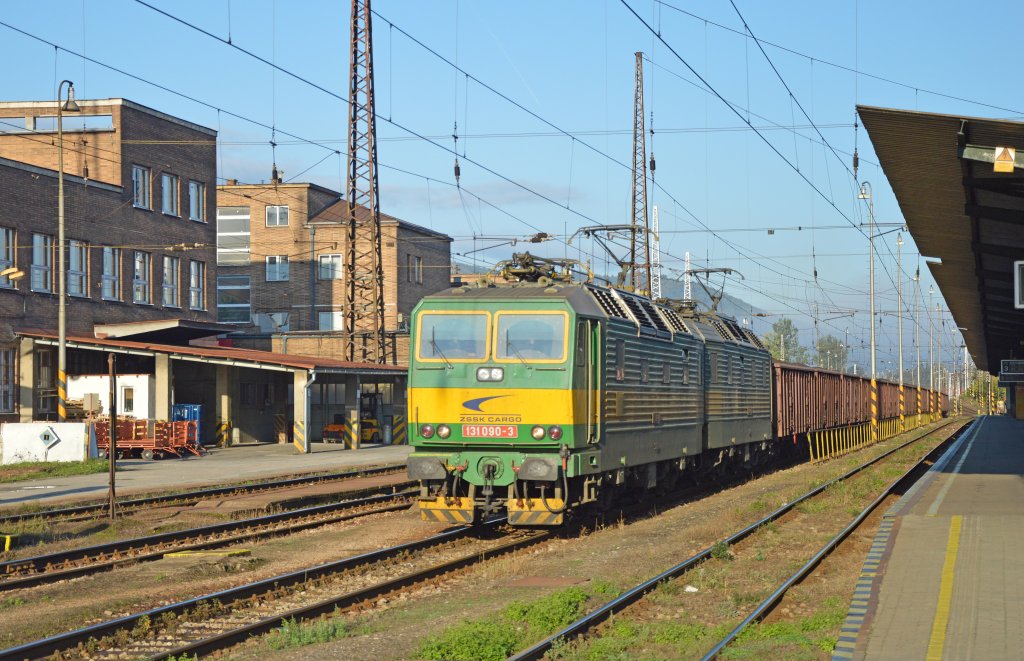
189,412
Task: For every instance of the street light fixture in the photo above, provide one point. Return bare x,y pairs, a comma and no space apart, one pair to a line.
865,194
931,356
62,378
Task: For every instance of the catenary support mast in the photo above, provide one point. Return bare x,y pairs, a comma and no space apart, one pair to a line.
364,273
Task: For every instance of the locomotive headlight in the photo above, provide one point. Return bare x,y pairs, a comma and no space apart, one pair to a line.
490,374
537,432
427,431
555,432
444,431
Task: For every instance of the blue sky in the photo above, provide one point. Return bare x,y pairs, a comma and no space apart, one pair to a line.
572,64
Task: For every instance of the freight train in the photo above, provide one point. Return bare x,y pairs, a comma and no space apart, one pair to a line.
538,395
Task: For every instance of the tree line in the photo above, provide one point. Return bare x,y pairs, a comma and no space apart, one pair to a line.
783,342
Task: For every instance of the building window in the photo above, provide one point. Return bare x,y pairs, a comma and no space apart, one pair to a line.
78,266
277,216
111,280
170,285
233,236
127,400
197,201
6,255
414,269
169,190
140,187
45,367
140,280
7,357
330,267
197,285
42,263
277,268
331,321
233,299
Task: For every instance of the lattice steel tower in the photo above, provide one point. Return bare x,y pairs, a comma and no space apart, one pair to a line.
364,272
639,243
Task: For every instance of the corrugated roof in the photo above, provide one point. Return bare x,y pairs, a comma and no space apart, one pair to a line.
232,354
961,212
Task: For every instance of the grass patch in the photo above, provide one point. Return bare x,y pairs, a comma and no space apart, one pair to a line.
293,634
37,470
806,638
626,641
497,637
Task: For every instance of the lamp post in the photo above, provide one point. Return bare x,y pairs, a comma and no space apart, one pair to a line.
62,377
931,356
865,194
899,317
917,337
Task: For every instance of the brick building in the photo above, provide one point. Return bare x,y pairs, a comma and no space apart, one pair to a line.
139,192
281,250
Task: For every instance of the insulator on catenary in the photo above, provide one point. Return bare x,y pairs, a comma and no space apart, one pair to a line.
652,163
458,172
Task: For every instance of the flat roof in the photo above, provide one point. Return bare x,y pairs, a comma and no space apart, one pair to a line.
962,213
95,103
166,331
222,355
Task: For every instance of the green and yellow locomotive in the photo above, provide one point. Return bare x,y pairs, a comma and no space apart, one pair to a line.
541,394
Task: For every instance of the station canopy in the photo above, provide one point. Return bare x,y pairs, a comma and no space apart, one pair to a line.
959,182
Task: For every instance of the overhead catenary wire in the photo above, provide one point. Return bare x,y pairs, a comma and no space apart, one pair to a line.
560,205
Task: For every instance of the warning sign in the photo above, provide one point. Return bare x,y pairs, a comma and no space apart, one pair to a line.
1005,157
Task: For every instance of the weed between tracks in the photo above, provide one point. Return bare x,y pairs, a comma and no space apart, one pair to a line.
513,628
294,634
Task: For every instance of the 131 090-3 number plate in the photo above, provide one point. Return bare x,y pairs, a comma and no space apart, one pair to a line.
490,431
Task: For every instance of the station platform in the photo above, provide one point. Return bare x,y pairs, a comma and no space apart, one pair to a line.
220,466
945,574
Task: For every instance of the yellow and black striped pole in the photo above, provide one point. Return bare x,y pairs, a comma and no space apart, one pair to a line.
874,410
62,396
903,417
919,411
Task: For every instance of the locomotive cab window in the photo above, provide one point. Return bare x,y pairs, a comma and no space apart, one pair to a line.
452,336
531,336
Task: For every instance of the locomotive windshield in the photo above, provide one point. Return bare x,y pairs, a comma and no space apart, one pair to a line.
531,336
448,336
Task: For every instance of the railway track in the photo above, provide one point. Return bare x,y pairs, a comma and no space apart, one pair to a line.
592,620
186,497
222,619
64,565
762,609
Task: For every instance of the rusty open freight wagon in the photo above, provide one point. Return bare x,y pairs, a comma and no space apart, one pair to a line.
168,439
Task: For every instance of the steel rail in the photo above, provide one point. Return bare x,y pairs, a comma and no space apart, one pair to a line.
199,494
770,602
595,617
239,635
64,641
52,567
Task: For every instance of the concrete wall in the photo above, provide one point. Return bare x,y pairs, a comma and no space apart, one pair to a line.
21,442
